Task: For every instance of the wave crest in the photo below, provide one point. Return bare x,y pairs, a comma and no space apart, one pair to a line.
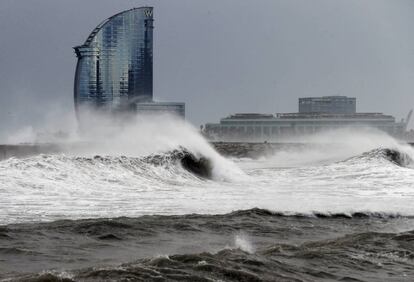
394,156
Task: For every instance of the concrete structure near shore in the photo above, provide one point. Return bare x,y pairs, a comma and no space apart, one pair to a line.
282,126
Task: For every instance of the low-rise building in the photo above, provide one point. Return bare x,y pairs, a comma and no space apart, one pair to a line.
282,126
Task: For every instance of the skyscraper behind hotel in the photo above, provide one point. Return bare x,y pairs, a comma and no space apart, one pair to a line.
114,69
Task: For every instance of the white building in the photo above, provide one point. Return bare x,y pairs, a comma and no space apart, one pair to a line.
251,126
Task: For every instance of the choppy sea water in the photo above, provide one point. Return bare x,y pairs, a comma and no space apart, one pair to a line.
309,214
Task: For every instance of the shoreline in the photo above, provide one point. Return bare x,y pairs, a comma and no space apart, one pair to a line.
230,149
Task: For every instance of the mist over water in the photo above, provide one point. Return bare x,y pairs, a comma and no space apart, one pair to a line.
104,172
333,146
118,197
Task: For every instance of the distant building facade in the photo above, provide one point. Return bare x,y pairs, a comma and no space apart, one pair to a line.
115,64
328,105
249,127
174,108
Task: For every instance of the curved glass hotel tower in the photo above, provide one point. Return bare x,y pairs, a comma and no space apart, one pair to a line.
114,69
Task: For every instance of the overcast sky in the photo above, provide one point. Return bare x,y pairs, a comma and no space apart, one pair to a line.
219,57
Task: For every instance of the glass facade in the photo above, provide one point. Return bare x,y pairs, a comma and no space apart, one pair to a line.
328,104
114,69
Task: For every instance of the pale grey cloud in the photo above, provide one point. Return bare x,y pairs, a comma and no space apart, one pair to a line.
219,56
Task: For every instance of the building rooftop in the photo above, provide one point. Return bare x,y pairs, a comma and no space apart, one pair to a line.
329,97
249,116
329,115
100,26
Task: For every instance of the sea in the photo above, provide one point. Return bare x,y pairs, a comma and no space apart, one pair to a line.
160,203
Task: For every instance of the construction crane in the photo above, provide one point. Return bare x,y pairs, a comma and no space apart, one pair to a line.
407,120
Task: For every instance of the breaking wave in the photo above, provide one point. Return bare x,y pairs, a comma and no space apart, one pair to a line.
180,161
49,187
153,201
394,156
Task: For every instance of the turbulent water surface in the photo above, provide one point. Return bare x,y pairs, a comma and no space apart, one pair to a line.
317,213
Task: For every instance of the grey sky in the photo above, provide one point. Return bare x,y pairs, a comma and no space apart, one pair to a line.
219,57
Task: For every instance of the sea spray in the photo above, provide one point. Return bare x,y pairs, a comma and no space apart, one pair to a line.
243,242
105,176
330,146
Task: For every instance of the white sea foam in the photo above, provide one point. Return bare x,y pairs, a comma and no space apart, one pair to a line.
242,242
331,146
316,178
